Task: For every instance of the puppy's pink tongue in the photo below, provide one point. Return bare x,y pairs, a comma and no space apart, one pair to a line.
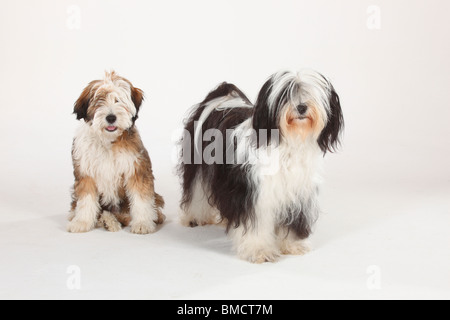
111,128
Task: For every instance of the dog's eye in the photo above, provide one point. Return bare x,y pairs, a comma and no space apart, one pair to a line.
302,108
117,100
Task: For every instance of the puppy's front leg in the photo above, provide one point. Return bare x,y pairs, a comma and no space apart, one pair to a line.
86,208
141,194
143,214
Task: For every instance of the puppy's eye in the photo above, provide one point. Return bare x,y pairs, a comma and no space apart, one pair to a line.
117,100
302,108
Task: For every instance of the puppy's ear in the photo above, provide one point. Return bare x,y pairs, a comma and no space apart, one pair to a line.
137,96
82,104
329,139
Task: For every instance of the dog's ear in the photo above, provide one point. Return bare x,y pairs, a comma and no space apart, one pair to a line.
269,105
82,104
329,139
137,96
263,118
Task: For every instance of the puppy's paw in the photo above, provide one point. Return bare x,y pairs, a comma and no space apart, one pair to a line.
71,216
110,222
114,226
80,226
161,217
143,227
296,248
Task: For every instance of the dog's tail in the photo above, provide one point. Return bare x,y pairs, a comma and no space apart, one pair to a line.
219,102
225,90
225,96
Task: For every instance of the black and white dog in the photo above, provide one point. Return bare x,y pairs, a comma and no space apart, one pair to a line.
262,179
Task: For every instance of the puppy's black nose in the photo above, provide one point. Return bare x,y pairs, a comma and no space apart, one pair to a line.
302,109
111,118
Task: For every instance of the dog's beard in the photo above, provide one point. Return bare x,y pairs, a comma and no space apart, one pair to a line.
111,131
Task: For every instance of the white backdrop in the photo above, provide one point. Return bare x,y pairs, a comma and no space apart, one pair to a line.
386,192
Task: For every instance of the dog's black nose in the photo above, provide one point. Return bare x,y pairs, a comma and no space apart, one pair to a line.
302,109
111,118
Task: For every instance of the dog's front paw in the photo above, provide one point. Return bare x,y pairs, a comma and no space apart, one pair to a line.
80,226
296,248
260,256
143,227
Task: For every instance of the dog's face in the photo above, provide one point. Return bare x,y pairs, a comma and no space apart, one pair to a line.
302,106
110,106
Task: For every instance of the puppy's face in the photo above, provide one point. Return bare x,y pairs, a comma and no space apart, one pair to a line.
109,106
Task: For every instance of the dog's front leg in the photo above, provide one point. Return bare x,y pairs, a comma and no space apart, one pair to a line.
256,242
86,208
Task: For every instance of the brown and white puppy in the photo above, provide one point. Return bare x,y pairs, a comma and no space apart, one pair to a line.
114,182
